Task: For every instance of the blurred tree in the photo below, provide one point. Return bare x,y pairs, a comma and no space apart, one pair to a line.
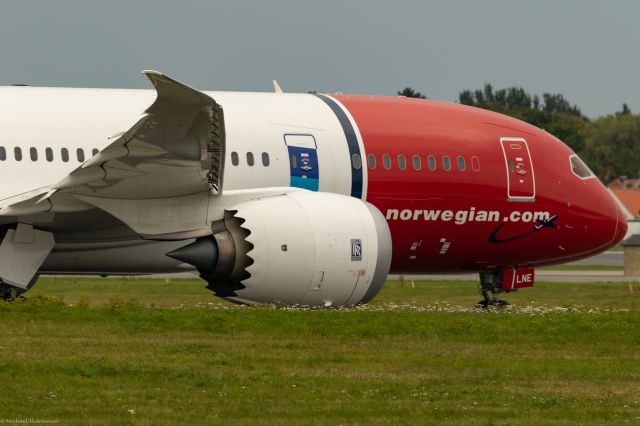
612,147
410,93
556,103
554,114
625,110
514,98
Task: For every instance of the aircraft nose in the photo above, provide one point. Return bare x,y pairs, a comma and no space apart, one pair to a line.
621,226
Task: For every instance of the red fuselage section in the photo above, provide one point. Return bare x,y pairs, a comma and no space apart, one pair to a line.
464,189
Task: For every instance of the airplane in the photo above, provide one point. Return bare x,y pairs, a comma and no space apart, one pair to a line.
287,199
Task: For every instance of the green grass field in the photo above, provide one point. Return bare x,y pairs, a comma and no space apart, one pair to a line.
143,351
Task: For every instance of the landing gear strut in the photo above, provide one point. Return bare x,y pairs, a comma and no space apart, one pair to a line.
490,288
9,292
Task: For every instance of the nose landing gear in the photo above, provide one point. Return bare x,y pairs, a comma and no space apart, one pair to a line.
490,288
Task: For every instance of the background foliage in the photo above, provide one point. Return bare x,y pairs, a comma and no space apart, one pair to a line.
609,144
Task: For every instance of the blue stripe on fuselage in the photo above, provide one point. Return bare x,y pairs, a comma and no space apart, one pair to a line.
352,142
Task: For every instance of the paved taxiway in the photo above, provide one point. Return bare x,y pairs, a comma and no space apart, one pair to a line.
608,258
541,275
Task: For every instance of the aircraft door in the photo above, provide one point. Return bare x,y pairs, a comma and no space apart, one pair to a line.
521,184
303,161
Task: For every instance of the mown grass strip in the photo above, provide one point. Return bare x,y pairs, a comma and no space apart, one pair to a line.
420,355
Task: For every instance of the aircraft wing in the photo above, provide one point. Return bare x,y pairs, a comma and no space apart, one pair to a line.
176,149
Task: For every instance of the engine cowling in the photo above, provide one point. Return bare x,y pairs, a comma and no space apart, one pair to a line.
300,248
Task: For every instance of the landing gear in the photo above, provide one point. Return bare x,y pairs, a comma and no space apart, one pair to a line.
490,288
9,292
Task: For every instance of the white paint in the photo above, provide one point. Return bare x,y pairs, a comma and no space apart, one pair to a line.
317,230
503,140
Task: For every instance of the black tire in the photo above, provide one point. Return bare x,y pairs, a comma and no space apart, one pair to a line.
9,292
483,304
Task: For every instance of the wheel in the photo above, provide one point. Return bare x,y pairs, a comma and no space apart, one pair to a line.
9,292
484,304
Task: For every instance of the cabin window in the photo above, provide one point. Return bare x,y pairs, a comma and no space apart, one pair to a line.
64,153
94,151
462,166
431,162
250,158
402,162
417,164
294,161
265,159
48,153
33,153
80,154
3,153
446,163
371,161
235,160
386,162
17,153
475,164
356,161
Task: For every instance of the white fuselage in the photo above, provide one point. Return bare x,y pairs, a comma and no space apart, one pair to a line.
90,119
50,121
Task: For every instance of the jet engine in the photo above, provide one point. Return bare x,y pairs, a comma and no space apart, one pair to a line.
301,248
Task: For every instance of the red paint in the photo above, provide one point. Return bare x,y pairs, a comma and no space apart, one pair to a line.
588,220
517,278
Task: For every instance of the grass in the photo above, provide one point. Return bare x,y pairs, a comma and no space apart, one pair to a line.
144,351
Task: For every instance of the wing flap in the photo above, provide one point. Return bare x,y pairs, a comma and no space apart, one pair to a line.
174,150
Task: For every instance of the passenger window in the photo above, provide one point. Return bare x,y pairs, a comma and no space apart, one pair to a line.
431,162
446,163
402,162
250,158
371,161
462,166
94,151
417,164
511,167
17,153
48,153
265,159
475,164
235,160
64,153
80,155
3,153
294,161
356,161
386,162
33,153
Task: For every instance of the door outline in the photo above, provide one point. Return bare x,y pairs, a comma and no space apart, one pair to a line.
510,197
305,146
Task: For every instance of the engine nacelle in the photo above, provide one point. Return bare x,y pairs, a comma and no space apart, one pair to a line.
301,248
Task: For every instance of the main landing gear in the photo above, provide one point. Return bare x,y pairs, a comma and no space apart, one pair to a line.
9,292
490,288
